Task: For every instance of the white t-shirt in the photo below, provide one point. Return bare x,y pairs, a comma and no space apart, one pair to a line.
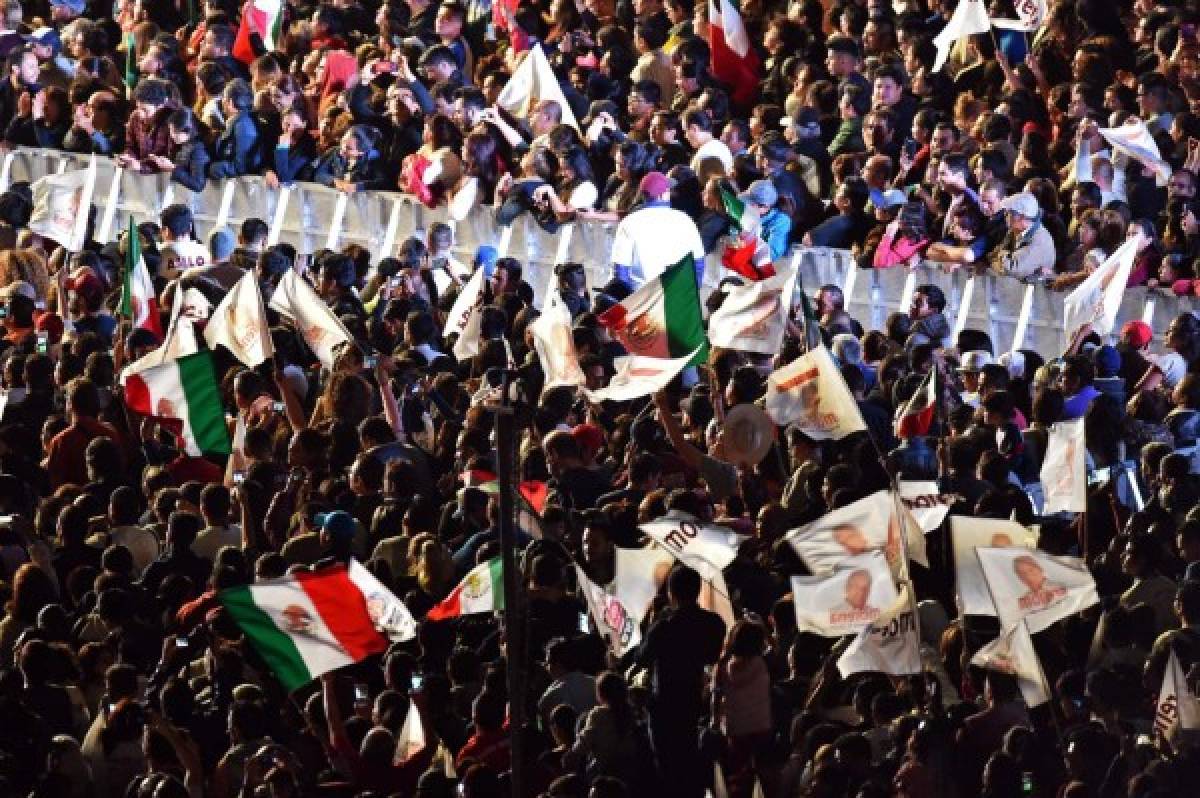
183,254
713,148
650,240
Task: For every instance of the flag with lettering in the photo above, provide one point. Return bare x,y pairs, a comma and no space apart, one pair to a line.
1039,588
694,542
1177,708
925,500
871,523
322,331
810,393
889,645
967,534
846,601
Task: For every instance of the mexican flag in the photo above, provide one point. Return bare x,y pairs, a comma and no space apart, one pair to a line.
312,622
264,17
663,318
138,301
748,256
733,59
184,391
482,590
917,416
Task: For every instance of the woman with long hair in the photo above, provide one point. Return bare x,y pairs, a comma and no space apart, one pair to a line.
607,740
572,189
32,590
742,703
436,167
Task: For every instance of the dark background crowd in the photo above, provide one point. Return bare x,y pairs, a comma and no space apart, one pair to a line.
120,674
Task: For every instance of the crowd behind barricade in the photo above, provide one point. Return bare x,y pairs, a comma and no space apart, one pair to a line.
677,662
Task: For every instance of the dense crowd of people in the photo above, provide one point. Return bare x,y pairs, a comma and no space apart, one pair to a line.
123,674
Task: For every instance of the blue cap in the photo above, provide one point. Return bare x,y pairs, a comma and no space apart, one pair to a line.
1107,360
337,524
486,257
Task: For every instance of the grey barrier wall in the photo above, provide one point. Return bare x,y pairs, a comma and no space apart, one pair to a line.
309,216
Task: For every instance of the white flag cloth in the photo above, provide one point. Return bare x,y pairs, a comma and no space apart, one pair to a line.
466,316
694,542
1132,139
1030,16
970,16
639,376
533,82
616,624
180,338
638,574
862,526
61,204
810,393
412,735
1177,708
1013,653
1098,298
968,534
554,342
240,323
321,329
1064,469
890,645
195,305
926,502
464,200
846,601
1031,585
753,317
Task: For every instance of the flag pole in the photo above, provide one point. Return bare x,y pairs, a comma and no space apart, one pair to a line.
514,626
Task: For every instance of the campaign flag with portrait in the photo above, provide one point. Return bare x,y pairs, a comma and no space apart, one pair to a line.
846,601
1039,588
872,523
966,535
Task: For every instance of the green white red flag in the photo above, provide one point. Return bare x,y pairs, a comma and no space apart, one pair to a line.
482,590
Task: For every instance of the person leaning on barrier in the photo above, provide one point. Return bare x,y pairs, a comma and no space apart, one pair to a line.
1027,249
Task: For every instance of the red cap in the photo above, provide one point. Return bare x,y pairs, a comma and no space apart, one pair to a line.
589,437
52,325
1136,333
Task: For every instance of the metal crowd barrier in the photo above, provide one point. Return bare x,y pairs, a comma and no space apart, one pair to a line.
308,216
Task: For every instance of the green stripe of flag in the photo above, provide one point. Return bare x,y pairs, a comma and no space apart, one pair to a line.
275,645
205,414
734,207
133,253
681,306
496,573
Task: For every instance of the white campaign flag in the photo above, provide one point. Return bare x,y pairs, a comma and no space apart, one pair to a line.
318,326
464,200
970,16
61,204
1177,708
810,393
1030,16
966,535
926,502
890,645
637,576
1098,298
1039,588
1064,469
621,628
638,376
466,317
554,342
753,317
1133,140
694,542
862,526
532,82
846,601
240,323
1013,653
412,735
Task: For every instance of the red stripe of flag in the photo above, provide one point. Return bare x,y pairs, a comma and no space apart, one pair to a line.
343,608
449,607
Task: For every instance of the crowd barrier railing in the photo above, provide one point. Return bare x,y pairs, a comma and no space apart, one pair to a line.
308,216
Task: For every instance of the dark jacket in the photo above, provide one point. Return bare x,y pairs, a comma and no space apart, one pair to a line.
191,165
294,162
100,142
28,132
239,149
367,173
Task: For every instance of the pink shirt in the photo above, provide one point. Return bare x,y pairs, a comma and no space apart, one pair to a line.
894,251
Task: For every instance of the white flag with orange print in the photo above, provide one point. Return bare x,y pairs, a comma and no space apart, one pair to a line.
1035,587
1064,469
321,330
240,323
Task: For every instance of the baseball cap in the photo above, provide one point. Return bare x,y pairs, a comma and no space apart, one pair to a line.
1137,333
761,192
486,257
47,37
1023,204
655,184
566,267
75,6
1107,360
893,198
589,437
338,524
221,245
19,288
1015,363
974,361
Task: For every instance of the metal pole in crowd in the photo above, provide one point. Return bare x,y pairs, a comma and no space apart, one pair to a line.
514,623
